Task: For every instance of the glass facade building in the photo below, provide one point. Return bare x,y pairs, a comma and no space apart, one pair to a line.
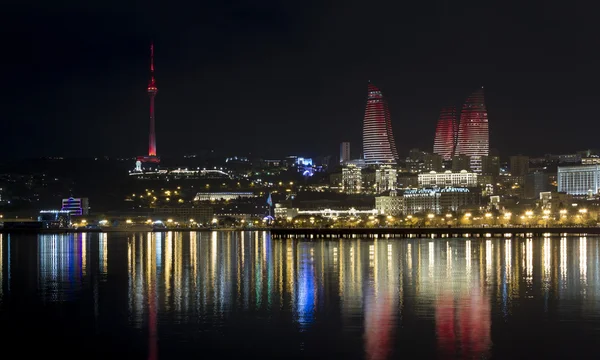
379,146
473,130
446,133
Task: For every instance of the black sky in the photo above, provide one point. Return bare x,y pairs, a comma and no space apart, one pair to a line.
290,77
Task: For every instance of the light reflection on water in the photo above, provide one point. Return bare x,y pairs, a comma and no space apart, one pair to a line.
381,291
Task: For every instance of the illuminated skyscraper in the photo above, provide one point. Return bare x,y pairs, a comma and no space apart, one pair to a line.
379,146
446,132
473,130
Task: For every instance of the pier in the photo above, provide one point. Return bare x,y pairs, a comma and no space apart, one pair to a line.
430,232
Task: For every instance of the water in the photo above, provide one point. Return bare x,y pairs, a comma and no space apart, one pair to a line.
228,295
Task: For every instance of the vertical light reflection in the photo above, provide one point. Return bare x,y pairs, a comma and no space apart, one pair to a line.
177,271
431,259
151,298
448,260
194,260
546,261
507,277
583,262
489,251
168,268
258,272
529,262
409,258
508,259
563,262
306,288
335,258
131,273
468,253
104,253
83,254
371,256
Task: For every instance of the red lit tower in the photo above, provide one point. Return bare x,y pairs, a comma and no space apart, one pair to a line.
379,146
445,133
473,130
152,90
151,161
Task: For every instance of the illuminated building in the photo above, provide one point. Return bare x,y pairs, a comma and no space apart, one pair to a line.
351,180
150,161
379,146
446,132
438,200
473,130
579,179
385,178
344,152
448,178
55,219
76,206
223,196
390,205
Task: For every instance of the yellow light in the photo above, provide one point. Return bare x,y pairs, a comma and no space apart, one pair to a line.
390,217
83,221
529,213
170,220
448,215
563,211
468,215
128,221
488,215
546,212
431,216
149,221
583,211
191,220
507,215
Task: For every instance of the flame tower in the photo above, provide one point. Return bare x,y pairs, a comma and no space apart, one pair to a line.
446,131
152,90
379,146
473,130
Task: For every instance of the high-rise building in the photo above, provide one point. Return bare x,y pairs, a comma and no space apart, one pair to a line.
473,130
446,132
379,146
344,152
519,165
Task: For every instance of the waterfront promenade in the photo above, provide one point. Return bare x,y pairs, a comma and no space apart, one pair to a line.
418,232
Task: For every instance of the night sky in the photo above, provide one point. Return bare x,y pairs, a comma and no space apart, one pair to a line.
290,77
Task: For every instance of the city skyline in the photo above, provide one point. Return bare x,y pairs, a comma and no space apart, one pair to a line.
265,66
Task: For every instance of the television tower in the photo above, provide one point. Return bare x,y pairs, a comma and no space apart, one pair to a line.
152,90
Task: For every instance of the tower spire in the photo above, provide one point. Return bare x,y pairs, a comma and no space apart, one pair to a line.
152,90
